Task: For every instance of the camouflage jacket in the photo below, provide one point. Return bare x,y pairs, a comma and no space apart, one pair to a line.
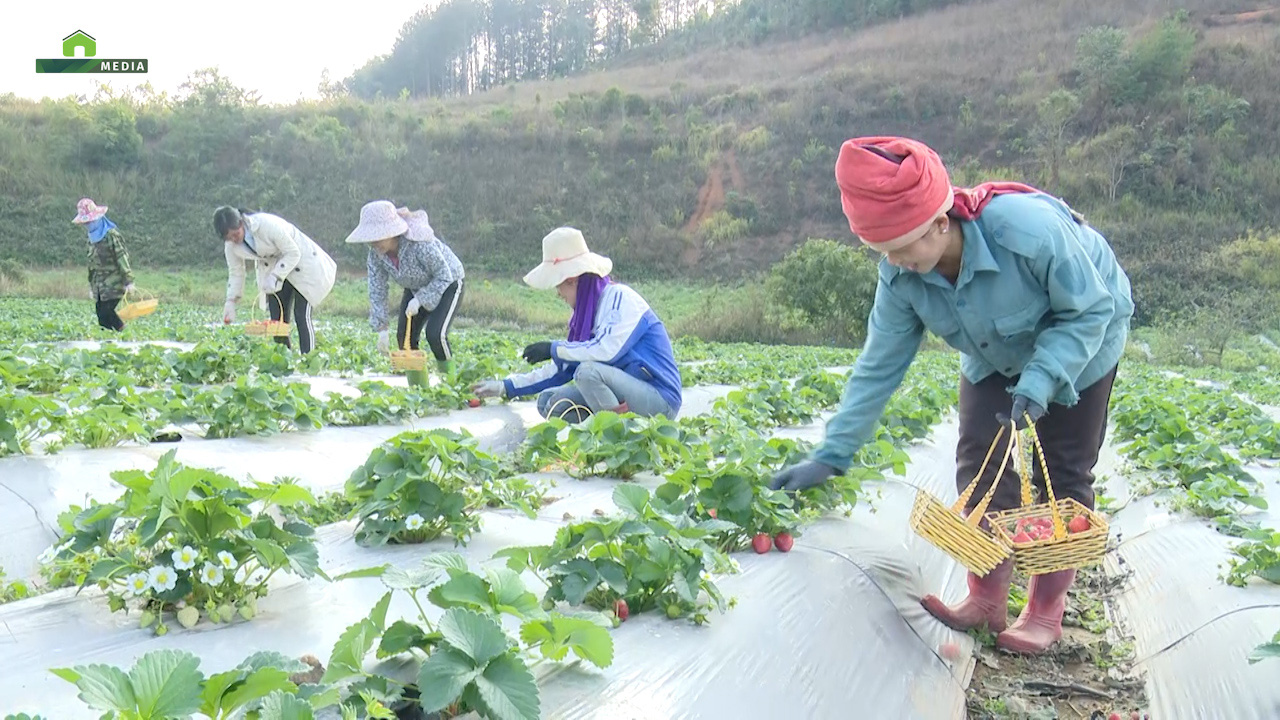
109,271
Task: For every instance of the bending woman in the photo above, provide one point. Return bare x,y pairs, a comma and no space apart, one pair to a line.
1037,305
294,273
402,245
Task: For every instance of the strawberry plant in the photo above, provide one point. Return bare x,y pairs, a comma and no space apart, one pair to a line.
186,541
165,684
732,492
605,444
1266,650
465,661
253,405
769,404
421,484
12,590
654,557
1258,556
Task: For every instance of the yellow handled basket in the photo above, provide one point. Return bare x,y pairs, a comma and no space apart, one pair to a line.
1063,550
142,304
958,536
406,360
268,327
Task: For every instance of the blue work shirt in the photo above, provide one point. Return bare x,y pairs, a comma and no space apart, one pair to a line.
1040,297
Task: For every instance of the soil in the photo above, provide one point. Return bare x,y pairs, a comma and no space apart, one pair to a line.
1086,676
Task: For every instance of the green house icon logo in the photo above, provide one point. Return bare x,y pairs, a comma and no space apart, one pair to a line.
79,39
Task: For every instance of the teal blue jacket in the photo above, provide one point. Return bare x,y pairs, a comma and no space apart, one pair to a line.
1040,297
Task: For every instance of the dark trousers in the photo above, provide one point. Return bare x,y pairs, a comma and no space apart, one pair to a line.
290,302
437,322
1071,438
107,316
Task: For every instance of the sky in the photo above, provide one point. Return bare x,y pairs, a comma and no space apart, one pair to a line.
275,47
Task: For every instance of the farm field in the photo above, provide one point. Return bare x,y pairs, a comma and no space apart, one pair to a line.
200,523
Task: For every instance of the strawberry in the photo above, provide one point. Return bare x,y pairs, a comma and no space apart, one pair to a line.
1021,538
712,512
761,543
784,541
621,610
188,616
1135,715
673,611
474,402
1078,524
1113,716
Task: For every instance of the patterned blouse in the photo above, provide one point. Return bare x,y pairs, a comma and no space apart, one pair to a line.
427,268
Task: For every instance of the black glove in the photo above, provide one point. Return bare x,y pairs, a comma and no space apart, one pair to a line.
535,353
1022,408
810,473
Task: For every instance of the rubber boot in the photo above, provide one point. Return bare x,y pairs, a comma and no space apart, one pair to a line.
1040,624
987,604
417,378
446,367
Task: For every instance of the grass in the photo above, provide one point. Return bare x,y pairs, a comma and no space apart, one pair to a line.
715,313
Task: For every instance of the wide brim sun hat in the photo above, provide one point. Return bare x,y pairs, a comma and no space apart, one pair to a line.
565,255
378,221
87,211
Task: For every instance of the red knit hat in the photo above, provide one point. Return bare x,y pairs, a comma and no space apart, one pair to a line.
891,189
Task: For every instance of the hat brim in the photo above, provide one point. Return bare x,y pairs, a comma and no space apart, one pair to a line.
549,275
364,234
82,219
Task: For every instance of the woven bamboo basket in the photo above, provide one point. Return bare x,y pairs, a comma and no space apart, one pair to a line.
1063,550
406,360
143,303
268,327
958,536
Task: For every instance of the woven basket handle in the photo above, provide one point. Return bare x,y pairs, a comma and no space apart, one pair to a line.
1059,529
975,517
552,412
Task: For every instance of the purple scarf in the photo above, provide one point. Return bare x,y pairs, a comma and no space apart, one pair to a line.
590,287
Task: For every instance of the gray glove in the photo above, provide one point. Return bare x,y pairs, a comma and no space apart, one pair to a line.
489,388
1023,408
810,473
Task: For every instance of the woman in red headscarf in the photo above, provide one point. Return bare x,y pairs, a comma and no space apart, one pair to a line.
1037,305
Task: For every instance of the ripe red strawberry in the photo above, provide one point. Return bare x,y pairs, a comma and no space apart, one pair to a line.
1078,524
712,512
621,610
1113,716
1021,538
784,541
474,402
761,543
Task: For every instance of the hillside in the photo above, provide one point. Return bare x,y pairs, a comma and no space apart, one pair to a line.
709,164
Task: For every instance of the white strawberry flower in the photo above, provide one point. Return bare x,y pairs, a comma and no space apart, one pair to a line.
185,559
413,522
162,578
211,575
227,560
138,583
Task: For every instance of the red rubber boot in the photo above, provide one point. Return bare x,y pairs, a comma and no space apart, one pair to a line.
1040,624
987,604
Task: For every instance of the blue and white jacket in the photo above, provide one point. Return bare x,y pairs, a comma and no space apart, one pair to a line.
626,334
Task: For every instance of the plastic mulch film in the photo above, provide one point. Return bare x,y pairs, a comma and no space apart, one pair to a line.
834,624
1193,632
